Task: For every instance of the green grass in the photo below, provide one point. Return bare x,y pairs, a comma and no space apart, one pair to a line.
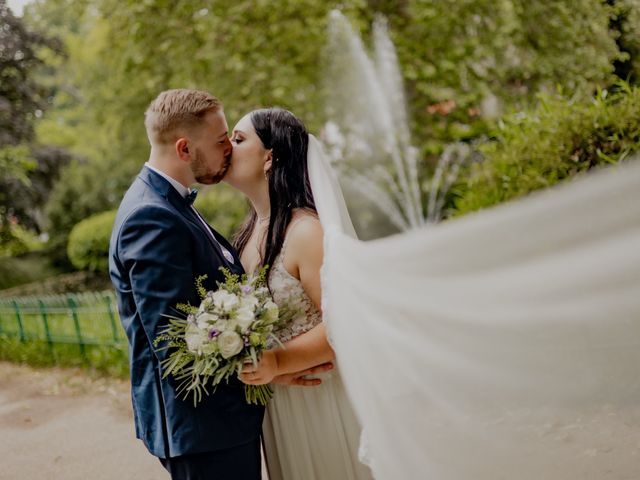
111,361
67,330
89,317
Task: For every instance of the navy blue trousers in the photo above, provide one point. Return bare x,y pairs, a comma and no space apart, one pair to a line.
237,463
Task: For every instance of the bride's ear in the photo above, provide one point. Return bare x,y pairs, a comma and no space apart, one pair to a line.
268,163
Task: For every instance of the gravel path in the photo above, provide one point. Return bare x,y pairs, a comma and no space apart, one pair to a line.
61,424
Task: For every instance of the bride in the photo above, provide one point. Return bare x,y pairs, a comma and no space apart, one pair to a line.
310,434
505,344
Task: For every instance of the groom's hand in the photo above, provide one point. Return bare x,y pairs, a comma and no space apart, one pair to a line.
298,378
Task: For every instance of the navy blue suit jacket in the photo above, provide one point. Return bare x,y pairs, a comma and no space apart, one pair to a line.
158,248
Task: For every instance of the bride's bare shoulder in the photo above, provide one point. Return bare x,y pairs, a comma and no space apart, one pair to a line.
304,252
304,236
304,226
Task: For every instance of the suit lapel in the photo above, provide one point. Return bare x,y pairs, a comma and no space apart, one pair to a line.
225,243
178,202
164,188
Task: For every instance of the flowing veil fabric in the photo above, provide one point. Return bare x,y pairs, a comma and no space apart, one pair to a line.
501,345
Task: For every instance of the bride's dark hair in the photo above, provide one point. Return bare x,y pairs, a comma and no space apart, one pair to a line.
288,178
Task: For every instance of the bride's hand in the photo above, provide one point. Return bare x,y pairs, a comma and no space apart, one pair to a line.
264,372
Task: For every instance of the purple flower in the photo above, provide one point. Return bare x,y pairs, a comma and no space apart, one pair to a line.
213,333
246,289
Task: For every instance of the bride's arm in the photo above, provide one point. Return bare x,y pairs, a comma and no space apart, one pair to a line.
303,260
304,351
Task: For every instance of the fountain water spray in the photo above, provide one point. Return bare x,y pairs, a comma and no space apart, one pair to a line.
368,134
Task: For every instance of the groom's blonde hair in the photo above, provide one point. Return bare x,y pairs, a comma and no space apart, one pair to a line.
175,112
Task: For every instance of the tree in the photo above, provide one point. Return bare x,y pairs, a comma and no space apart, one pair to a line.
20,98
26,173
465,63
253,54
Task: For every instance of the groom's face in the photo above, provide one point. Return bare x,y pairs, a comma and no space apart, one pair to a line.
212,149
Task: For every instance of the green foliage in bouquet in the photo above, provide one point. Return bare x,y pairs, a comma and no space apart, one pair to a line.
231,327
559,139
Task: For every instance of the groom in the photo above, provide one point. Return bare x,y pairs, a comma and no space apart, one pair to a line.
159,245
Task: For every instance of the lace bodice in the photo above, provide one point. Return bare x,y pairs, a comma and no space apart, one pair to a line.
289,295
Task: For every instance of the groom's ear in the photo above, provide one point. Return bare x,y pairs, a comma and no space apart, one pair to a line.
182,149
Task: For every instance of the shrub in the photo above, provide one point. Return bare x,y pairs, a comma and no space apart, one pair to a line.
88,247
555,141
16,240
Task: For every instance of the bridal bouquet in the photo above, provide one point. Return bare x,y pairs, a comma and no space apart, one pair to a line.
230,328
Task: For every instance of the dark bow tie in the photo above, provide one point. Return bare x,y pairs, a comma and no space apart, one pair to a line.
191,197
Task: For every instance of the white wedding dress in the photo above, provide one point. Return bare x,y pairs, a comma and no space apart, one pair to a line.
310,433
503,345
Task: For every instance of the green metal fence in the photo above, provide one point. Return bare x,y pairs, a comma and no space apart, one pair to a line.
82,319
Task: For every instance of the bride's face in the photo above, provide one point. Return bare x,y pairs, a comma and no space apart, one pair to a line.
249,159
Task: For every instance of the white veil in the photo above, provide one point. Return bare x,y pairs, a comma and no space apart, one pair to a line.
501,345
330,203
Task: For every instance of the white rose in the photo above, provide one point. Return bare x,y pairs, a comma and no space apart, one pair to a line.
226,324
230,344
272,311
195,338
245,317
224,300
262,291
205,320
249,302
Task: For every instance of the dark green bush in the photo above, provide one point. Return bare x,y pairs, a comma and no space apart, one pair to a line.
557,140
88,247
